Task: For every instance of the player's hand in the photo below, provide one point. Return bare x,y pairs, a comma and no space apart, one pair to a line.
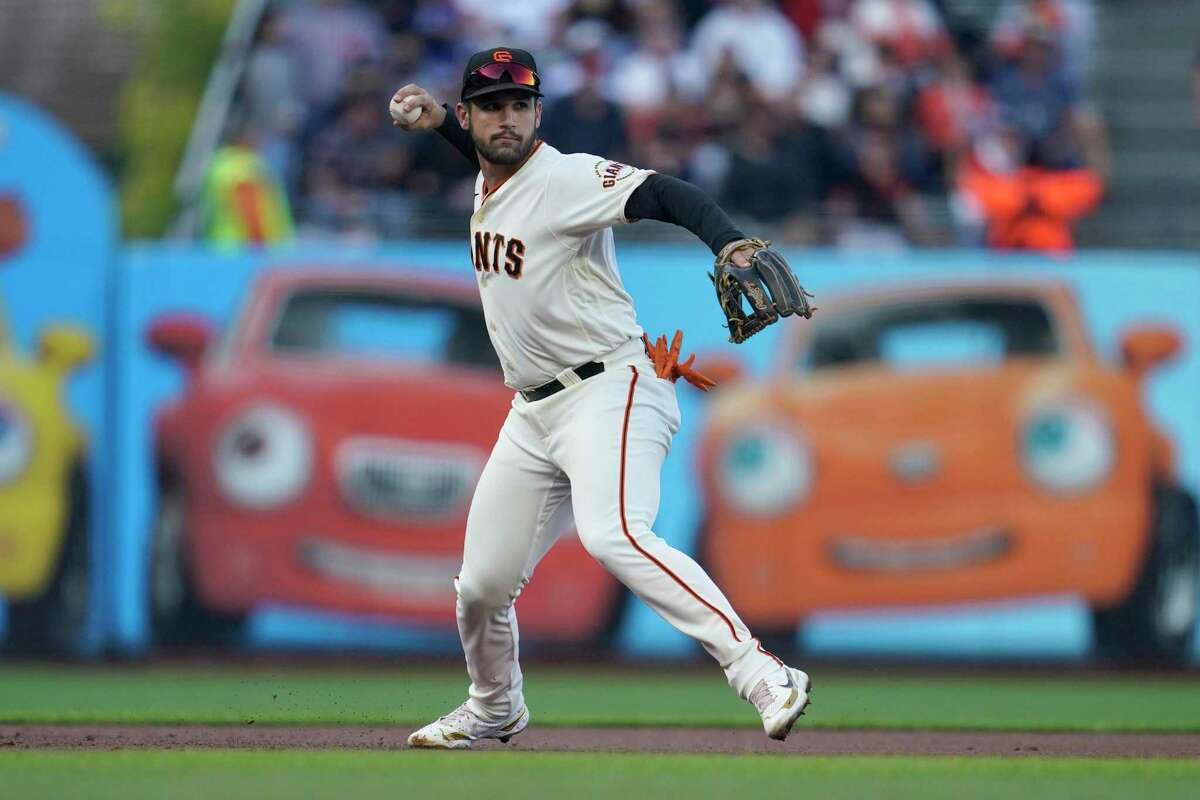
432,113
741,257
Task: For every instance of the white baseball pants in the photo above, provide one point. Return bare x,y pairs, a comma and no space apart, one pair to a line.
597,447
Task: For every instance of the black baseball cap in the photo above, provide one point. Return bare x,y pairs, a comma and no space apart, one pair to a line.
499,69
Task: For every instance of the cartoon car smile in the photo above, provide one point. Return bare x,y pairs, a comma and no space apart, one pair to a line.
952,443
324,455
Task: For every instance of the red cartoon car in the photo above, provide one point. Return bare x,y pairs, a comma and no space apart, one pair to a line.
324,455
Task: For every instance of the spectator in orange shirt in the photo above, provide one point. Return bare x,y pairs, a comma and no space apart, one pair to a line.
1023,204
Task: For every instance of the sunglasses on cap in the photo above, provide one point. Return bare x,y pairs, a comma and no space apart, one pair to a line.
489,74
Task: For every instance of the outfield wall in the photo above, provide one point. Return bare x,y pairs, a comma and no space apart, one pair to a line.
70,269
1114,291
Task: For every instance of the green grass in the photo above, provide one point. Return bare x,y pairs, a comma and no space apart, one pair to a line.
557,696
366,775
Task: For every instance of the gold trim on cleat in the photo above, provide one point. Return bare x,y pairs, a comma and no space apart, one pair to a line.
457,737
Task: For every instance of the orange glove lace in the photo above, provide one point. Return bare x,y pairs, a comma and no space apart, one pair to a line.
666,362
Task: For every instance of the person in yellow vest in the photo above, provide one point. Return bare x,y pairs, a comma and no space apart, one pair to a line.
244,204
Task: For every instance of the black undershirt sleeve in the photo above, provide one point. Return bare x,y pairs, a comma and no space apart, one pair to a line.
455,135
668,199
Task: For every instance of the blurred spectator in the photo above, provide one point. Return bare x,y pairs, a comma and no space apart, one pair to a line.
857,114
823,97
1071,23
581,51
330,37
585,122
1037,96
950,108
806,15
910,31
440,28
762,42
351,168
439,179
242,203
1025,207
274,99
617,15
531,23
772,177
396,15
657,70
875,203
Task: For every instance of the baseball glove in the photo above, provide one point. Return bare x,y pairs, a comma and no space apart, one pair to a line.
768,272
666,362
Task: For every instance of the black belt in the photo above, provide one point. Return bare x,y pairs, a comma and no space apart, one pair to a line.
584,371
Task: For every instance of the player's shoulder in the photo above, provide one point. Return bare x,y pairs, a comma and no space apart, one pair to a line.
585,167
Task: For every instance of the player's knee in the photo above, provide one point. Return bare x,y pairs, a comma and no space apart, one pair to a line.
603,541
485,591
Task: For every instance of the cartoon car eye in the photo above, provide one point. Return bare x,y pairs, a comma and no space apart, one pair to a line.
765,470
16,443
1068,447
263,458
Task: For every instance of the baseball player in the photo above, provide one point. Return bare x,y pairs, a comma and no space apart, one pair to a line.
594,410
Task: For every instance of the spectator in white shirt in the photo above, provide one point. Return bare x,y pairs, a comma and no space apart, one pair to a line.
532,23
764,45
910,29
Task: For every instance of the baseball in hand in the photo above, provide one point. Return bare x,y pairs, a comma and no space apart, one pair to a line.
402,115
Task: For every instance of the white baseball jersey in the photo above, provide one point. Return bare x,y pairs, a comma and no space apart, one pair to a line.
544,256
542,246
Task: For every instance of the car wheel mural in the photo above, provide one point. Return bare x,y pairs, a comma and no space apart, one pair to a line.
946,444
177,615
1156,622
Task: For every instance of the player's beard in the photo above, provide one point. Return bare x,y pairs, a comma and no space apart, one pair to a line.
504,151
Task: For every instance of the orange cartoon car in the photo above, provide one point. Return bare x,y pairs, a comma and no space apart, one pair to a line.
324,454
947,444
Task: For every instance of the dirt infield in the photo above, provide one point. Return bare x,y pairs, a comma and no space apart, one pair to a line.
642,740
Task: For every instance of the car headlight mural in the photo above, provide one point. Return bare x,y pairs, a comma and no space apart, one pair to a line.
765,470
16,443
1068,447
263,457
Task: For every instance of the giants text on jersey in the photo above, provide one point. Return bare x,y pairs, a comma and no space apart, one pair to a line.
550,225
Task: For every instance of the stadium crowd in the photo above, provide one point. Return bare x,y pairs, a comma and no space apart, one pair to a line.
855,123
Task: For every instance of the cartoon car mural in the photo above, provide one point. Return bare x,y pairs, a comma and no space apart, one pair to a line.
952,443
44,550
324,454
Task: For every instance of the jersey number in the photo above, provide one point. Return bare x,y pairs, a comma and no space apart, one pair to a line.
491,248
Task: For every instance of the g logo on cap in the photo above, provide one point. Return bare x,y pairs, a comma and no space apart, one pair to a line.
502,55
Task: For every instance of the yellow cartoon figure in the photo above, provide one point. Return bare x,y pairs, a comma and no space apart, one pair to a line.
43,492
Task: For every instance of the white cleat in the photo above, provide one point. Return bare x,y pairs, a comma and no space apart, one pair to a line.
460,727
781,699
